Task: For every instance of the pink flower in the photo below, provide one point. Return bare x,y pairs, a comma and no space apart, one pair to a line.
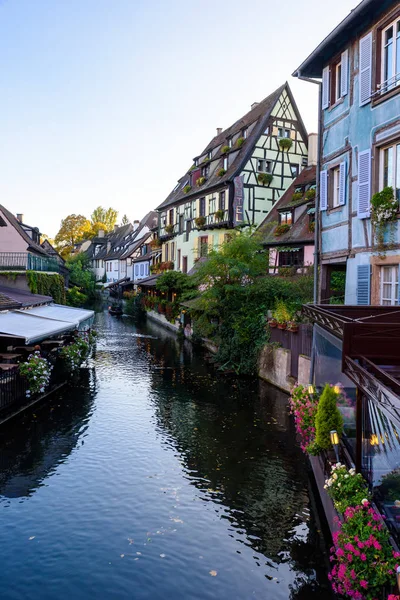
353,574
350,557
363,557
364,584
377,545
360,545
339,552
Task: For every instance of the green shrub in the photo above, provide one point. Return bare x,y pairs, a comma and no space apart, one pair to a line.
281,229
46,284
75,297
285,144
221,172
200,181
240,142
225,149
187,189
328,418
264,178
297,196
310,194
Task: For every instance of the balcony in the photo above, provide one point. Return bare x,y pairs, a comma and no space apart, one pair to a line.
24,261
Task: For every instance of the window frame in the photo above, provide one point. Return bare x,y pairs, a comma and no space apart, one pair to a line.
395,24
285,220
222,200
394,284
395,145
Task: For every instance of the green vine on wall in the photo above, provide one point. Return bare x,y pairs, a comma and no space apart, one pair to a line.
47,285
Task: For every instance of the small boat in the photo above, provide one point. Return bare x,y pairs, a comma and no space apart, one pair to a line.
116,310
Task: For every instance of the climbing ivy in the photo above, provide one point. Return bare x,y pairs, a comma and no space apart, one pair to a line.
47,285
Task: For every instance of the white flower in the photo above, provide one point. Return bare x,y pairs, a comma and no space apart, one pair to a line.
325,487
334,476
339,484
364,502
346,476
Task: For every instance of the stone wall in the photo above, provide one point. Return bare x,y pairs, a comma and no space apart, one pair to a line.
274,366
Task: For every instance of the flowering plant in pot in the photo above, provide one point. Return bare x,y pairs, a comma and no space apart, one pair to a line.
37,371
272,322
187,189
200,181
346,487
221,172
76,353
265,178
281,229
303,406
219,214
240,141
292,326
364,562
225,149
282,314
169,229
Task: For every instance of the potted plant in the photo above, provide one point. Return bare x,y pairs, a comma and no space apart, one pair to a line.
221,172
225,149
187,189
272,322
206,160
384,210
219,214
281,229
310,194
264,178
285,144
200,222
281,314
200,181
292,326
169,229
311,227
240,141
297,196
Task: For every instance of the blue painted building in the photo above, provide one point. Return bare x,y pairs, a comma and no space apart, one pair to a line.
359,67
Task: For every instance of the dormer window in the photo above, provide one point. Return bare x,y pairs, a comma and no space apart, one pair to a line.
244,133
205,171
230,142
285,217
209,155
225,163
196,162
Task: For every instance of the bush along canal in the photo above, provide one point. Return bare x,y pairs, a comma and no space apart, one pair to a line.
150,477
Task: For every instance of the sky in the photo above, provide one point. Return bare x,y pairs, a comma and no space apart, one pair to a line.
106,102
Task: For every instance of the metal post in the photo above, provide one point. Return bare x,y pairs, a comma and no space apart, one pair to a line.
359,432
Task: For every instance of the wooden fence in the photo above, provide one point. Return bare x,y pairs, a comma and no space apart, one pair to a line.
298,343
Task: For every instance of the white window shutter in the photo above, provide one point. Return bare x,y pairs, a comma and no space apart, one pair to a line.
323,190
342,183
344,83
365,69
364,184
325,88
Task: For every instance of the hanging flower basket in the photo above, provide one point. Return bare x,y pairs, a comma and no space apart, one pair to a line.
272,323
219,214
281,229
36,371
200,181
285,144
264,178
169,229
384,210
282,325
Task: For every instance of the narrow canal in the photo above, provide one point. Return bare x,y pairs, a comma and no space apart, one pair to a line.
151,478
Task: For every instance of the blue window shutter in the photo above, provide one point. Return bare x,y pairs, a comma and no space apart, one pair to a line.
363,285
325,88
342,183
365,69
323,190
364,184
344,83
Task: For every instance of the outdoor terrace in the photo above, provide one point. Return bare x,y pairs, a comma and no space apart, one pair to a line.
25,261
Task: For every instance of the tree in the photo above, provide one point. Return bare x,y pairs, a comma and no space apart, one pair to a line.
125,220
73,229
328,418
82,279
107,217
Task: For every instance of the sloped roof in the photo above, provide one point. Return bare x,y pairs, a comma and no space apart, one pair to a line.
298,232
139,237
51,251
117,240
17,226
22,298
255,120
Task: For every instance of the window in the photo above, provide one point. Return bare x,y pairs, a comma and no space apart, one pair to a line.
285,217
337,78
172,250
202,207
211,206
179,260
390,285
391,56
181,223
389,168
171,216
225,163
203,246
335,187
283,133
136,270
116,266
292,259
244,133
222,201
196,162
230,142
184,264
294,169
304,161
264,166
194,209
209,155
166,252
141,270
205,171
266,131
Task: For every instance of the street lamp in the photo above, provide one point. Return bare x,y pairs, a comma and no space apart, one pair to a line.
335,443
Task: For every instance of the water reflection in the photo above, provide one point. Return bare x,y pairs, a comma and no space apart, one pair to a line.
32,447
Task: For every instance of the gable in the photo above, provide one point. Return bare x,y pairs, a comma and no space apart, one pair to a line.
10,239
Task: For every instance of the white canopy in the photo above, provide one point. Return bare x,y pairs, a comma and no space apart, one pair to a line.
37,324
79,317
32,328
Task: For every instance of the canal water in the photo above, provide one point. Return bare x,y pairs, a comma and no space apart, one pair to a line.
150,477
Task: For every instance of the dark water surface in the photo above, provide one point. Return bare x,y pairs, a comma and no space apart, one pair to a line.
151,478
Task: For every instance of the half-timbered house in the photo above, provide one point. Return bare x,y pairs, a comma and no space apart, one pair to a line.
235,180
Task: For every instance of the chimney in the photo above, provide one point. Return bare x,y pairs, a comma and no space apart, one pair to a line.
254,105
312,149
115,228
135,225
100,233
219,130
20,217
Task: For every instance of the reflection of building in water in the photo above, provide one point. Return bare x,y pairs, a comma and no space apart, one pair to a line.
32,453
240,453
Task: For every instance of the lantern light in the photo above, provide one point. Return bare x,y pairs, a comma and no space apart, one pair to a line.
310,388
335,443
336,389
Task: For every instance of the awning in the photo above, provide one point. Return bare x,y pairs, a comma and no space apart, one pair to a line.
78,317
30,327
